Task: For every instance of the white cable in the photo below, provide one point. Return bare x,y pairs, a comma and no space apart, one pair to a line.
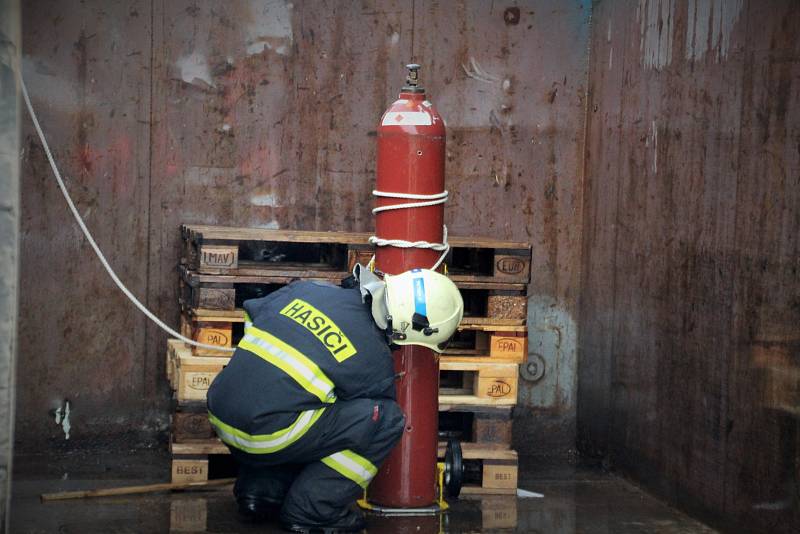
91,240
429,200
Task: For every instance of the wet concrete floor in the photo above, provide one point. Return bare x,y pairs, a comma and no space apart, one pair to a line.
576,500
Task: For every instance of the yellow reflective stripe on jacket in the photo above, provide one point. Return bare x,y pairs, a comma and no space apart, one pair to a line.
266,443
289,360
351,465
248,322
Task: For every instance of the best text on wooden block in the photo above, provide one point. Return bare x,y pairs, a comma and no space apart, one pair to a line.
189,470
499,474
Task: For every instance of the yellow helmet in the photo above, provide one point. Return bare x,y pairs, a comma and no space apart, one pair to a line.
423,307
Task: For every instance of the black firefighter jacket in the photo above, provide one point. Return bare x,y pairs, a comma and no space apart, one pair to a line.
305,346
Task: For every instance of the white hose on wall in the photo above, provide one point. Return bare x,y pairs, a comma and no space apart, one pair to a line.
91,240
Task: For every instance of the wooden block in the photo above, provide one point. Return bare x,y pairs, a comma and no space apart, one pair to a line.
191,426
512,265
219,334
490,429
218,257
496,387
194,381
507,306
509,348
188,515
215,298
192,375
499,474
184,470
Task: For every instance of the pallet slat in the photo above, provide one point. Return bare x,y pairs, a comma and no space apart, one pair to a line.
211,446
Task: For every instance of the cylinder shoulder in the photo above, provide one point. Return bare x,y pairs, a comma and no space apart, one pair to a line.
413,116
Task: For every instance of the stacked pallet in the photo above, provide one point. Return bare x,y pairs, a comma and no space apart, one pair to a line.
478,383
221,267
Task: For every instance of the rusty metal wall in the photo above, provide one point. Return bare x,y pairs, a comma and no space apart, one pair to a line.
87,65
689,345
263,113
10,53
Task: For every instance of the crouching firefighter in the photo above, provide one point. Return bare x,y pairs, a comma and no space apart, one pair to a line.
307,403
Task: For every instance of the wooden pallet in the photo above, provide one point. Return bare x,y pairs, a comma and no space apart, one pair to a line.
227,292
254,251
468,382
488,470
190,376
475,259
224,328
257,252
469,423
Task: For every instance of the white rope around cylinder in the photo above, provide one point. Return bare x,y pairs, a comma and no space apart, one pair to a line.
427,200
91,240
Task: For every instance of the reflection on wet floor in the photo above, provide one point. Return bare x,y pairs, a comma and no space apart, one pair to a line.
575,501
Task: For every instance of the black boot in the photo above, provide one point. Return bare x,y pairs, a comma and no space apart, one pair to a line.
259,490
257,510
351,521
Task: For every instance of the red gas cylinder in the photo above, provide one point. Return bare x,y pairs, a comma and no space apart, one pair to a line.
410,170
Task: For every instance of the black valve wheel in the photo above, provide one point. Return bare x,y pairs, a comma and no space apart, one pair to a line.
453,468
